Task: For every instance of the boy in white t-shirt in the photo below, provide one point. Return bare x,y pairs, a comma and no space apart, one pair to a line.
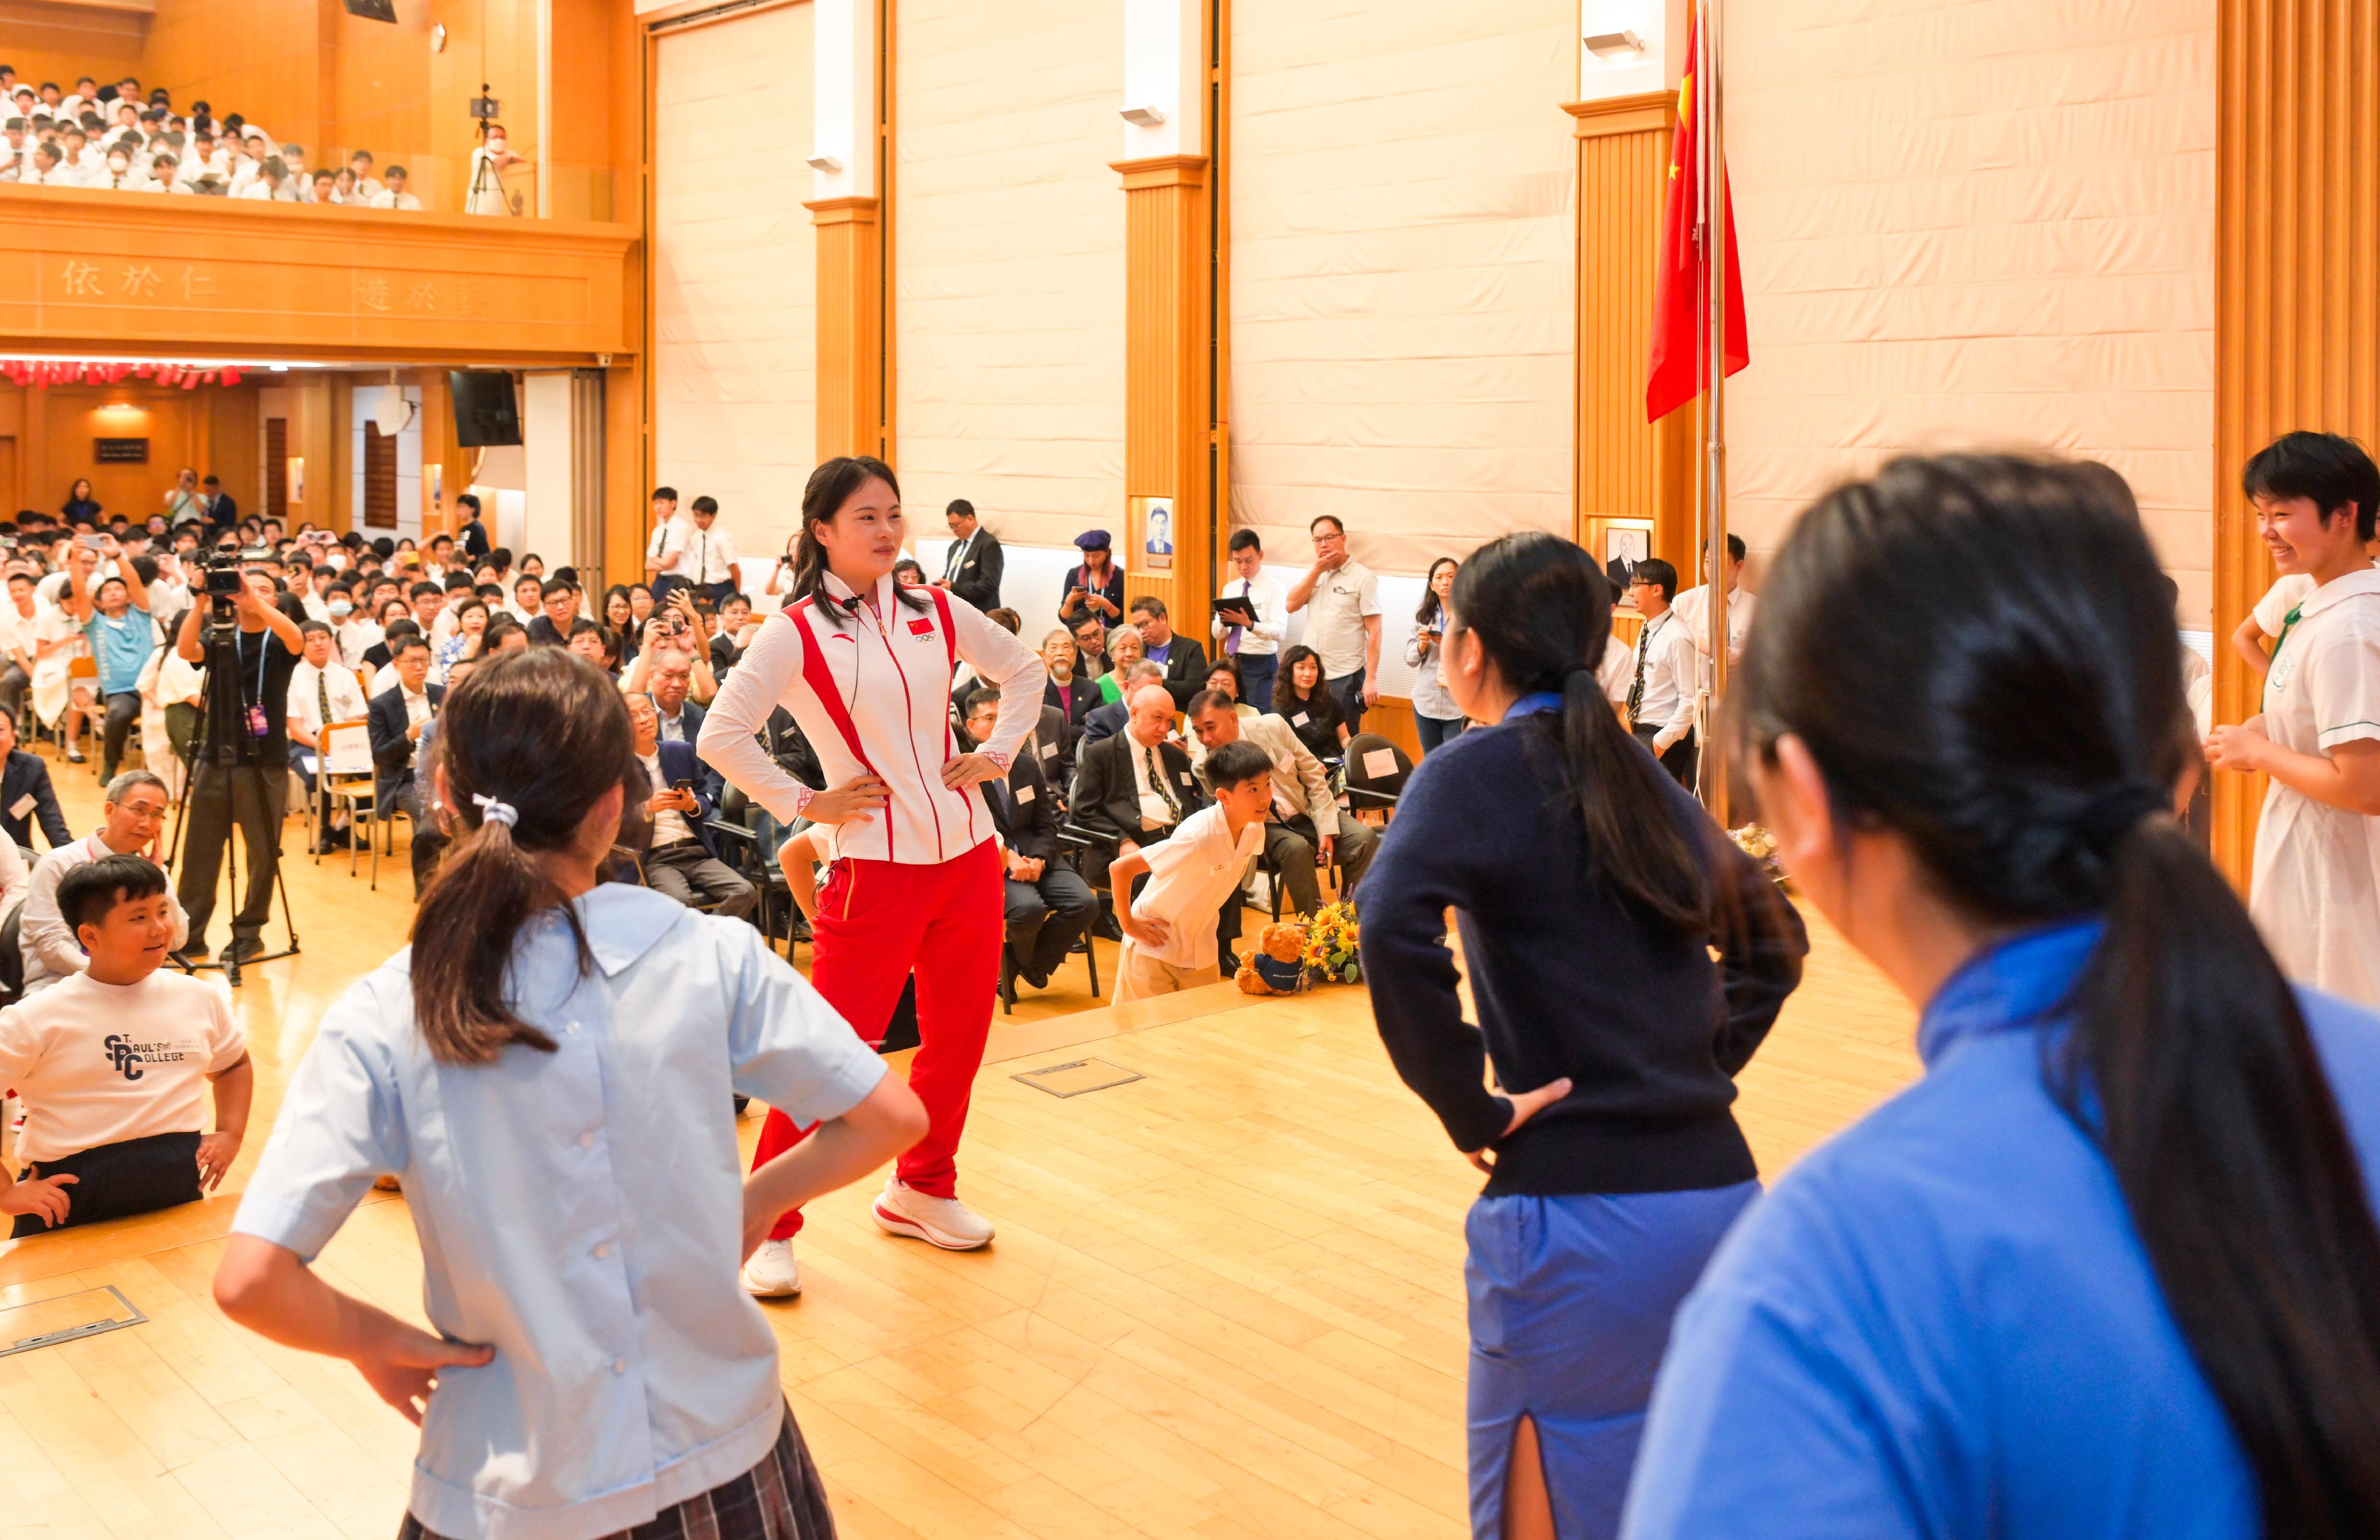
113,1062
1169,928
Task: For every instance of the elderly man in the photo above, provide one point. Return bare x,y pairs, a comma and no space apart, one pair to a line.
1138,784
129,824
680,860
1301,802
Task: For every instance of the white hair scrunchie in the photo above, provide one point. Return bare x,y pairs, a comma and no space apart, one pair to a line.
494,811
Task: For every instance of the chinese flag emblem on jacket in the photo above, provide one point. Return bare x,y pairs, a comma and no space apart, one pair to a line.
1681,311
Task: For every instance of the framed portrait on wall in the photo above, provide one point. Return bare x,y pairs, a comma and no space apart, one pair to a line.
1153,533
1626,541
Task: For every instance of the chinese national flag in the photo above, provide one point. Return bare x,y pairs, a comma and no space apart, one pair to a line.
1680,282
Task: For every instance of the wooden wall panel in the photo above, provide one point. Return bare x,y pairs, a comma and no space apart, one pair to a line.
2296,275
58,42
851,396
105,270
380,97
263,59
1168,336
1625,467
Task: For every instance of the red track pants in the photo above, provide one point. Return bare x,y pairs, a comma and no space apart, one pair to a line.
876,921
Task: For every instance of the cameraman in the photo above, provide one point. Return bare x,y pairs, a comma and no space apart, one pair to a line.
246,711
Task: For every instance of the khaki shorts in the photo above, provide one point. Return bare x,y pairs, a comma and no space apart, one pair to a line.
1138,978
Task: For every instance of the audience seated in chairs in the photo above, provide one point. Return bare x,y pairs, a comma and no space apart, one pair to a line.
1302,802
681,860
1048,906
1134,788
1108,719
1303,698
397,720
133,816
27,798
1185,657
322,690
111,1062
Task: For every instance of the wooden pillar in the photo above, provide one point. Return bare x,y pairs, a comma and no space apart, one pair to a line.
1625,468
851,415
2297,293
1169,433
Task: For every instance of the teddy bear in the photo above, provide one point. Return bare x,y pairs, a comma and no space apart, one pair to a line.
1275,965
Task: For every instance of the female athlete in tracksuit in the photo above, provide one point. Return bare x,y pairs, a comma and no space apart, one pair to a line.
865,667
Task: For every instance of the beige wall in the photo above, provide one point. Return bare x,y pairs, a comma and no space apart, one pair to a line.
1976,226
734,286
1008,264
1402,186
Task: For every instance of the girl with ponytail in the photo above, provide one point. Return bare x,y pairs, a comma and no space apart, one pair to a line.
550,1069
1626,959
2110,1268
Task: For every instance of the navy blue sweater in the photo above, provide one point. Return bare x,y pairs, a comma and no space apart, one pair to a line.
1568,980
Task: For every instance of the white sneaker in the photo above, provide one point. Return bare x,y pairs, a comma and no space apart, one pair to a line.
901,1209
772,1273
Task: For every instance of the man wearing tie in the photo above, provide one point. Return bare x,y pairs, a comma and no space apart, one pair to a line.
1661,695
1048,907
709,559
1255,640
971,569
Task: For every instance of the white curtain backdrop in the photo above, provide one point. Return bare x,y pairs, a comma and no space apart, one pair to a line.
735,271
1402,250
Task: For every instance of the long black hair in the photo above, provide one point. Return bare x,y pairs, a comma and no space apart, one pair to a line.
1326,705
1429,605
830,486
2012,616
1542,609
546,732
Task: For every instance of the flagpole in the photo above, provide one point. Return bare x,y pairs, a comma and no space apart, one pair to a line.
1708,92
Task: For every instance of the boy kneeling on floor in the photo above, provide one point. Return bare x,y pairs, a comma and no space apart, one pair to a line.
110,1064
1169,925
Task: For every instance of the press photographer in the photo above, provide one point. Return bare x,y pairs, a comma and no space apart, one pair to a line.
241,774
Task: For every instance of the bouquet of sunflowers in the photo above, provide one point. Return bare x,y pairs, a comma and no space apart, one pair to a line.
1332,954
1761,846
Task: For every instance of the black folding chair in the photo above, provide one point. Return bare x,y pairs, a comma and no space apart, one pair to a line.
1376,771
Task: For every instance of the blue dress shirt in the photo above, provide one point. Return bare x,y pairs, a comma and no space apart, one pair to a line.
1943,1323
581,1211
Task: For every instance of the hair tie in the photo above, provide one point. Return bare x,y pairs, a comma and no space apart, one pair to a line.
492,810
2112,814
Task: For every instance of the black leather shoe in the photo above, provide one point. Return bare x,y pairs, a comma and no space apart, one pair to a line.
246,949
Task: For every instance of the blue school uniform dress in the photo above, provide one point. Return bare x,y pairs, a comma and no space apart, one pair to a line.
1943,1322
580,1210
1604,1206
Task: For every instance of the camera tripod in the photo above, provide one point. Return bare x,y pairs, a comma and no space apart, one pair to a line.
485,177
225,743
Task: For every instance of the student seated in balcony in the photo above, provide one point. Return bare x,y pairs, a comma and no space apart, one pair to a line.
392,193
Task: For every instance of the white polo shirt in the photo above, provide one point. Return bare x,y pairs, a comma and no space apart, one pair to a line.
101,1064
1189,877
2315,886
1334,617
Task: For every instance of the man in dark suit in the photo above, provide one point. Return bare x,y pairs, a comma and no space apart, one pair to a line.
1048,906
1185,657
26,795
395,719
1105,722
217,506
971,569
1138,786
681,860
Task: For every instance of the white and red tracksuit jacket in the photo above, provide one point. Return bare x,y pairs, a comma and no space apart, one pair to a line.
872,693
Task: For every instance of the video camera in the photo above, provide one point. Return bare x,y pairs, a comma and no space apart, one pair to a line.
224,570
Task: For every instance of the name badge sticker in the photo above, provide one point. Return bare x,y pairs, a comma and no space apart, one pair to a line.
1023,795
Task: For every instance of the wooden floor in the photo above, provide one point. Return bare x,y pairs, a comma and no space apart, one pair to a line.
1226,1300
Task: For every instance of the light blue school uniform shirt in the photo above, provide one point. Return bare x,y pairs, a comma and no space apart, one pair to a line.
1943,1322
581,1211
